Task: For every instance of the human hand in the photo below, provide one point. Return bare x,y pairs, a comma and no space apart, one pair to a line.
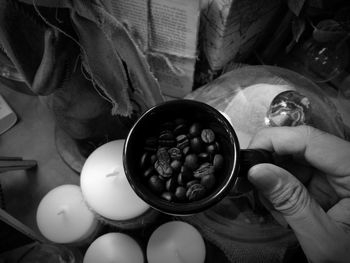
323,235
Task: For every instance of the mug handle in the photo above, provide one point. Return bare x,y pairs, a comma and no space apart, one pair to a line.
248,158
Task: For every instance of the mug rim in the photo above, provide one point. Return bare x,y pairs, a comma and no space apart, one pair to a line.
184,208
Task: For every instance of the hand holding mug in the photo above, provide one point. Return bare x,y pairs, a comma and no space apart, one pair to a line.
319,214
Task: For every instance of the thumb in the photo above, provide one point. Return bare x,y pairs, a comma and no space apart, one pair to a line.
286,194
317,233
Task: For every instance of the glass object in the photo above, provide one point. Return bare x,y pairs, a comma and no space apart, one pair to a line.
324,61
324,55
289,108
43,253
245,95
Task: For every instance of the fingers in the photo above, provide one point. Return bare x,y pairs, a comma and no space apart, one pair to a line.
320,189
324,151
340,213
316,231
284,191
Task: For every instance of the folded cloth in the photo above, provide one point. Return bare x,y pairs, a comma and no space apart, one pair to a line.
49,44
102,34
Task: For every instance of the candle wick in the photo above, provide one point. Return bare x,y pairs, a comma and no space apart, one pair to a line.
114,173
61,212
178,255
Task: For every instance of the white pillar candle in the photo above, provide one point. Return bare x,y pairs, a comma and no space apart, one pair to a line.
105,186
63,217
176,242
114,247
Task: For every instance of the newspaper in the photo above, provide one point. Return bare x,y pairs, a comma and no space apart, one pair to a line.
167,32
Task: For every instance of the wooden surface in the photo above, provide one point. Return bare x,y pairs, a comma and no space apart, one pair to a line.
31,138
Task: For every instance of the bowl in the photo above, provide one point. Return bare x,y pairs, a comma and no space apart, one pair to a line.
151,123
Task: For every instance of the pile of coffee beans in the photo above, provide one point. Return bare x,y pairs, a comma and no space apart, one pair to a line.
181,161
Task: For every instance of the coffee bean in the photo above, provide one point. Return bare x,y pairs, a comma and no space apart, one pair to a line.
151,144
186,171
196,144
184,176
166,135
203,169
191,161
171,184
180,129
166,139
150,149
211,149
181,179
175,153
208,181
149,172
163,155
145,160
195,192
176,165
180,163
180,193
218,162
163,168
186,150
167,143
190,183
207,135
153,159
156,184
168,196
195,129
217,146
182,141
203,157
163,179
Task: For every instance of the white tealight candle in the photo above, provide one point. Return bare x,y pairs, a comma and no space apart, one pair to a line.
105,186
176,242
63,217
114,247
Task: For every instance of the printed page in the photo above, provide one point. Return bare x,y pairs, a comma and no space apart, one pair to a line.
134,14
174,26
169,31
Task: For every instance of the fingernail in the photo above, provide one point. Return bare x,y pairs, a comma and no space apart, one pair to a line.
263,177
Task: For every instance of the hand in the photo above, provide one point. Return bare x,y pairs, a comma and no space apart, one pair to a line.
323,235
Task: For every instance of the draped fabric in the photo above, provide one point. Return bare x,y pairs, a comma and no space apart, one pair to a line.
81,61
